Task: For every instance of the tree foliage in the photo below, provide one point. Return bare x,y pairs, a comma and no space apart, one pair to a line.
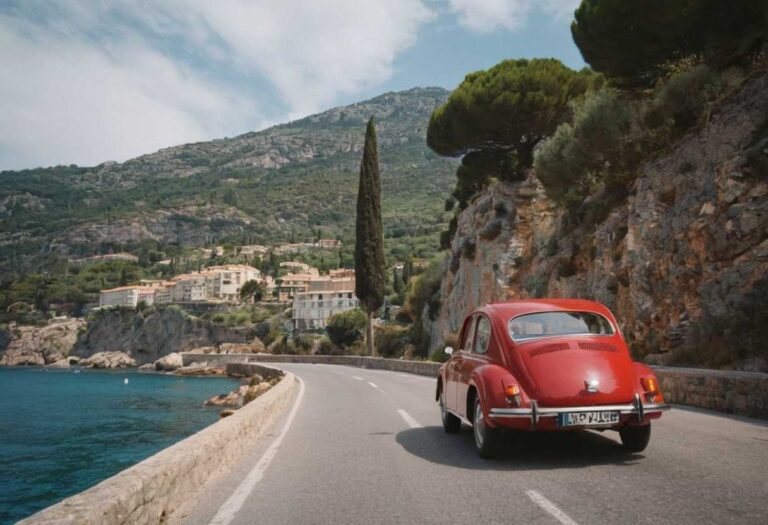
252,289
370,278
632,40
370,271
346,328
504,111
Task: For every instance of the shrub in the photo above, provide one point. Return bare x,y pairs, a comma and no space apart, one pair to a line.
681,102
424,297
219,318
580,155
439,356
391,340
326,347
346,328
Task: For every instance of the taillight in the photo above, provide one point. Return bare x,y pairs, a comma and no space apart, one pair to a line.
651,389
512,393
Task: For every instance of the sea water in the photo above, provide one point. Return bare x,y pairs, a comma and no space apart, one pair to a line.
62,432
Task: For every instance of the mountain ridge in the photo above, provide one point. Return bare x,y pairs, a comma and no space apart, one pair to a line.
287,181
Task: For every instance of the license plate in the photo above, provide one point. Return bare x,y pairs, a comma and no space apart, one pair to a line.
587,419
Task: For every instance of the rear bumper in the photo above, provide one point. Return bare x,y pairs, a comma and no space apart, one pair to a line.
535,413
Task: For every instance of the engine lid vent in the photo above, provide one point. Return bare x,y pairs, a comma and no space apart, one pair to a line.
595,345
552,347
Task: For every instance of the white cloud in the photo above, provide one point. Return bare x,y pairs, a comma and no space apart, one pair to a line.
488,16
87,81
65,101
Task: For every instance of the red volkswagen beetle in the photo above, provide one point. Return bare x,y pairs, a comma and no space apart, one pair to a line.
546,365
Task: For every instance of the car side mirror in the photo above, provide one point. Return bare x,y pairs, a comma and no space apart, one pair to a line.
449,350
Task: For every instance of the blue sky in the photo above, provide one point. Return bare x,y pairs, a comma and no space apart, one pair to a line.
87,81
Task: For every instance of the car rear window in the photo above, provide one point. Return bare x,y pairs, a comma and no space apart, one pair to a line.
544,324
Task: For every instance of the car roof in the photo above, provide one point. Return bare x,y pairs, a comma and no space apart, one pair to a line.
509,309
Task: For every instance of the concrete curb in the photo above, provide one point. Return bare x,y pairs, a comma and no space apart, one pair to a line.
149,491
732,392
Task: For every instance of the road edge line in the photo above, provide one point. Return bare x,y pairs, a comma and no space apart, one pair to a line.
236,500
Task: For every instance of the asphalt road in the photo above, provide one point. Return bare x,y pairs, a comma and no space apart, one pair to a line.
367,446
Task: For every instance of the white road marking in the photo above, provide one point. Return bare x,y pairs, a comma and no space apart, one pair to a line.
358,378
235,502
550,507
408,419
374,385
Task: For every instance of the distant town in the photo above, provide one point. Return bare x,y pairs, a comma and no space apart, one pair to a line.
314,297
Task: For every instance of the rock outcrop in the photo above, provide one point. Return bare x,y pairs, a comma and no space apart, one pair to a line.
33,345
683,263
109,360
147,339
243,394
169,363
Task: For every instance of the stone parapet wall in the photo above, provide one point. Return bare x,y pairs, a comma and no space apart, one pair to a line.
423,368
733,392
151,490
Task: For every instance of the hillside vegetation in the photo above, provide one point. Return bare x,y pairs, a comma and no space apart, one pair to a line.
295,181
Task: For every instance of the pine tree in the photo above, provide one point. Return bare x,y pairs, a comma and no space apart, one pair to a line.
369,239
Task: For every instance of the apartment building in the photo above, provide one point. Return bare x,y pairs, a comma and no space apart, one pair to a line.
324,297
127,296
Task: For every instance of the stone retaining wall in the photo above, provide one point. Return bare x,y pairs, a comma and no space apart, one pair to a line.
733,392
742,393
149,491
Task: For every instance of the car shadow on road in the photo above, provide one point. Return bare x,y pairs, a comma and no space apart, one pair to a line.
520,451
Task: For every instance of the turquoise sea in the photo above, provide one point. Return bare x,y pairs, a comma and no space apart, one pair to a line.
62,432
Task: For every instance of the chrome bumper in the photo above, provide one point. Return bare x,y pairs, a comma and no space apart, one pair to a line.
534,413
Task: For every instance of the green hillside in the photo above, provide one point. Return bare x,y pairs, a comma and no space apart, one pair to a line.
289,182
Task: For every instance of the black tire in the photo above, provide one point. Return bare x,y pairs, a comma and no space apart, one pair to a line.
635,439
451,424
487,439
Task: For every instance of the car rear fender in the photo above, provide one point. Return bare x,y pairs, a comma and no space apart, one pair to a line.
489,381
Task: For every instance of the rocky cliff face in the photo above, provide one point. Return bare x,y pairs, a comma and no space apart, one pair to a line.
32,345
683,263
147,339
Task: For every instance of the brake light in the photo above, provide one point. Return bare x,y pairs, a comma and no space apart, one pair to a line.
512,393
652,390
650,385
512,390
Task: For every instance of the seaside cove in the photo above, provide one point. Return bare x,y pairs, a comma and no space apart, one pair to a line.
64,431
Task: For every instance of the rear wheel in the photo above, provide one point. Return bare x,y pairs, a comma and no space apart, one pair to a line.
487,439
451,423
635,439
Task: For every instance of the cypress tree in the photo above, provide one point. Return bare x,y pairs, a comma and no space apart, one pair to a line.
369,239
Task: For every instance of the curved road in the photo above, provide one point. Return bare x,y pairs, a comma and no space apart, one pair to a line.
366,446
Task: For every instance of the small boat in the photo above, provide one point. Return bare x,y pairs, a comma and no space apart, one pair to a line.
125,381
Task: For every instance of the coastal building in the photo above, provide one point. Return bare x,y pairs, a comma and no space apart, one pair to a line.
324,297
289,285
126,296
299,267
329,244
213,284
164,292
253,249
